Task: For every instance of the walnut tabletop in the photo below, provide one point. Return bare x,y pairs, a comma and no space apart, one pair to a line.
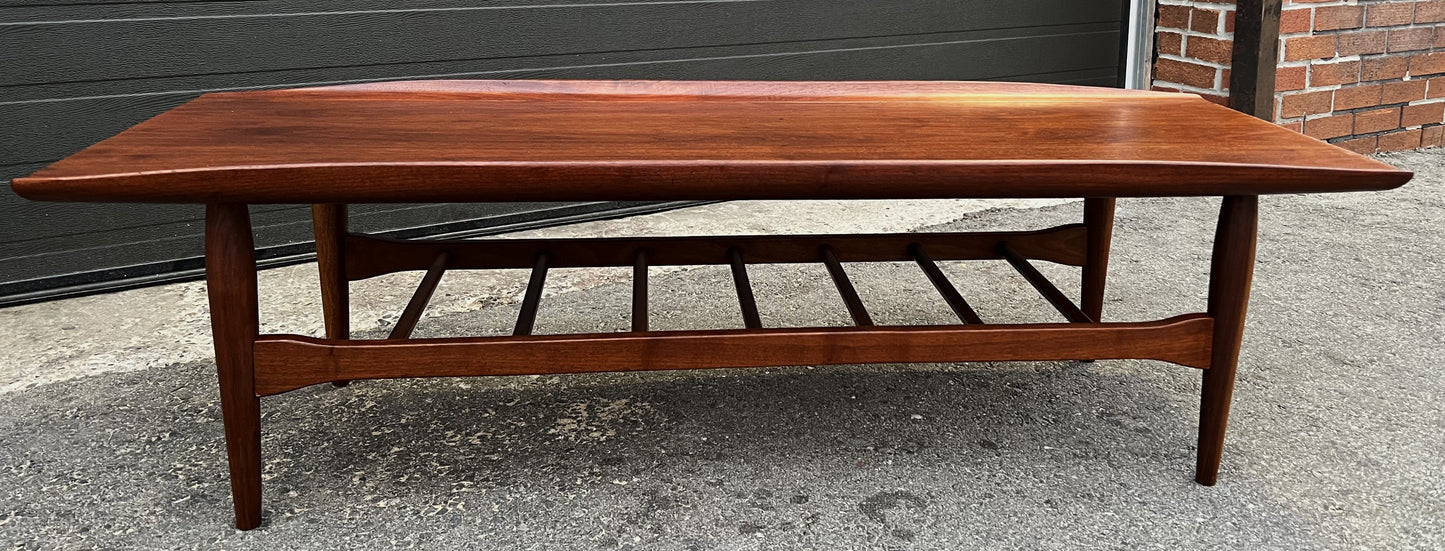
678,140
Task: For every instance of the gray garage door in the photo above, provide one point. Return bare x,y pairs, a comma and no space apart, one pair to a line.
73,72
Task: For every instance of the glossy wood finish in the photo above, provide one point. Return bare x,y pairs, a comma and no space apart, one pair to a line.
1099,221
1230,275
494,141
373,256
945,287
287,362
414,307
328,223
235,323
644,140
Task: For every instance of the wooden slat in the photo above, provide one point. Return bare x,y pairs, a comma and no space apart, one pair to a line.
845,287
287,362
373,256
528,316
746,301
414,308
639,291
1044,286
940,281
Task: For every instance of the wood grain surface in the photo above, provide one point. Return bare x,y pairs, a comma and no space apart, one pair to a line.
646,140
289,362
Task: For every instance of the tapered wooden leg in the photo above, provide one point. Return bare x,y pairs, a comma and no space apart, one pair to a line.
329,224
231,284
1099,219
1230,275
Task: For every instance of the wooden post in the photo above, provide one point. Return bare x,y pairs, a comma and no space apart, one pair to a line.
1099,220
1230,274
1255,58
235,322
328,222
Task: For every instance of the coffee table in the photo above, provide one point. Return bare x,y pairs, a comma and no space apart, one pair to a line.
484,141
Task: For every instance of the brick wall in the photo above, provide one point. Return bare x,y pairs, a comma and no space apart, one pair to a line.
1368,75
1193,42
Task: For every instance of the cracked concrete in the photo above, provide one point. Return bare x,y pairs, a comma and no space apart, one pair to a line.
158,326
111,433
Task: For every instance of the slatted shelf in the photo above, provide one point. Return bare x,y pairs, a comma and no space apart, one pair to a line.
1183,340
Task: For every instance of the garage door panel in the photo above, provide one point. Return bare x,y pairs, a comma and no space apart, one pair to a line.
173,45
45,131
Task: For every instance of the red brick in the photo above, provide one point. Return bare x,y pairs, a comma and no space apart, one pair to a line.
1437,88
1427,64
1183,72
1170,43
1440,39
1423,114
1400,141
1403,91
1333,18
1413,38
1173,17
1356,97
1378,120
1329,127
1229,22
1204,21
1332,74
1297,126
1287,79
1292,21
1390,14
1309,47
1430,12
1432,136
1368,42
1363,146
1384,68
1308,103
1211,50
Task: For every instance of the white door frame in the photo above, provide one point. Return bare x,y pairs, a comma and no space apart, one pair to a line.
1139,54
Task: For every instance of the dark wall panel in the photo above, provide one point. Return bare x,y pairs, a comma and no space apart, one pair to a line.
75,72
124,48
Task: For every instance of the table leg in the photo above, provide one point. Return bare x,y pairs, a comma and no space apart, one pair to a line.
1230,275
231,284
1099,219
329,224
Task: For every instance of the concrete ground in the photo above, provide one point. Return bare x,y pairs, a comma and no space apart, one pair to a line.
110,433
